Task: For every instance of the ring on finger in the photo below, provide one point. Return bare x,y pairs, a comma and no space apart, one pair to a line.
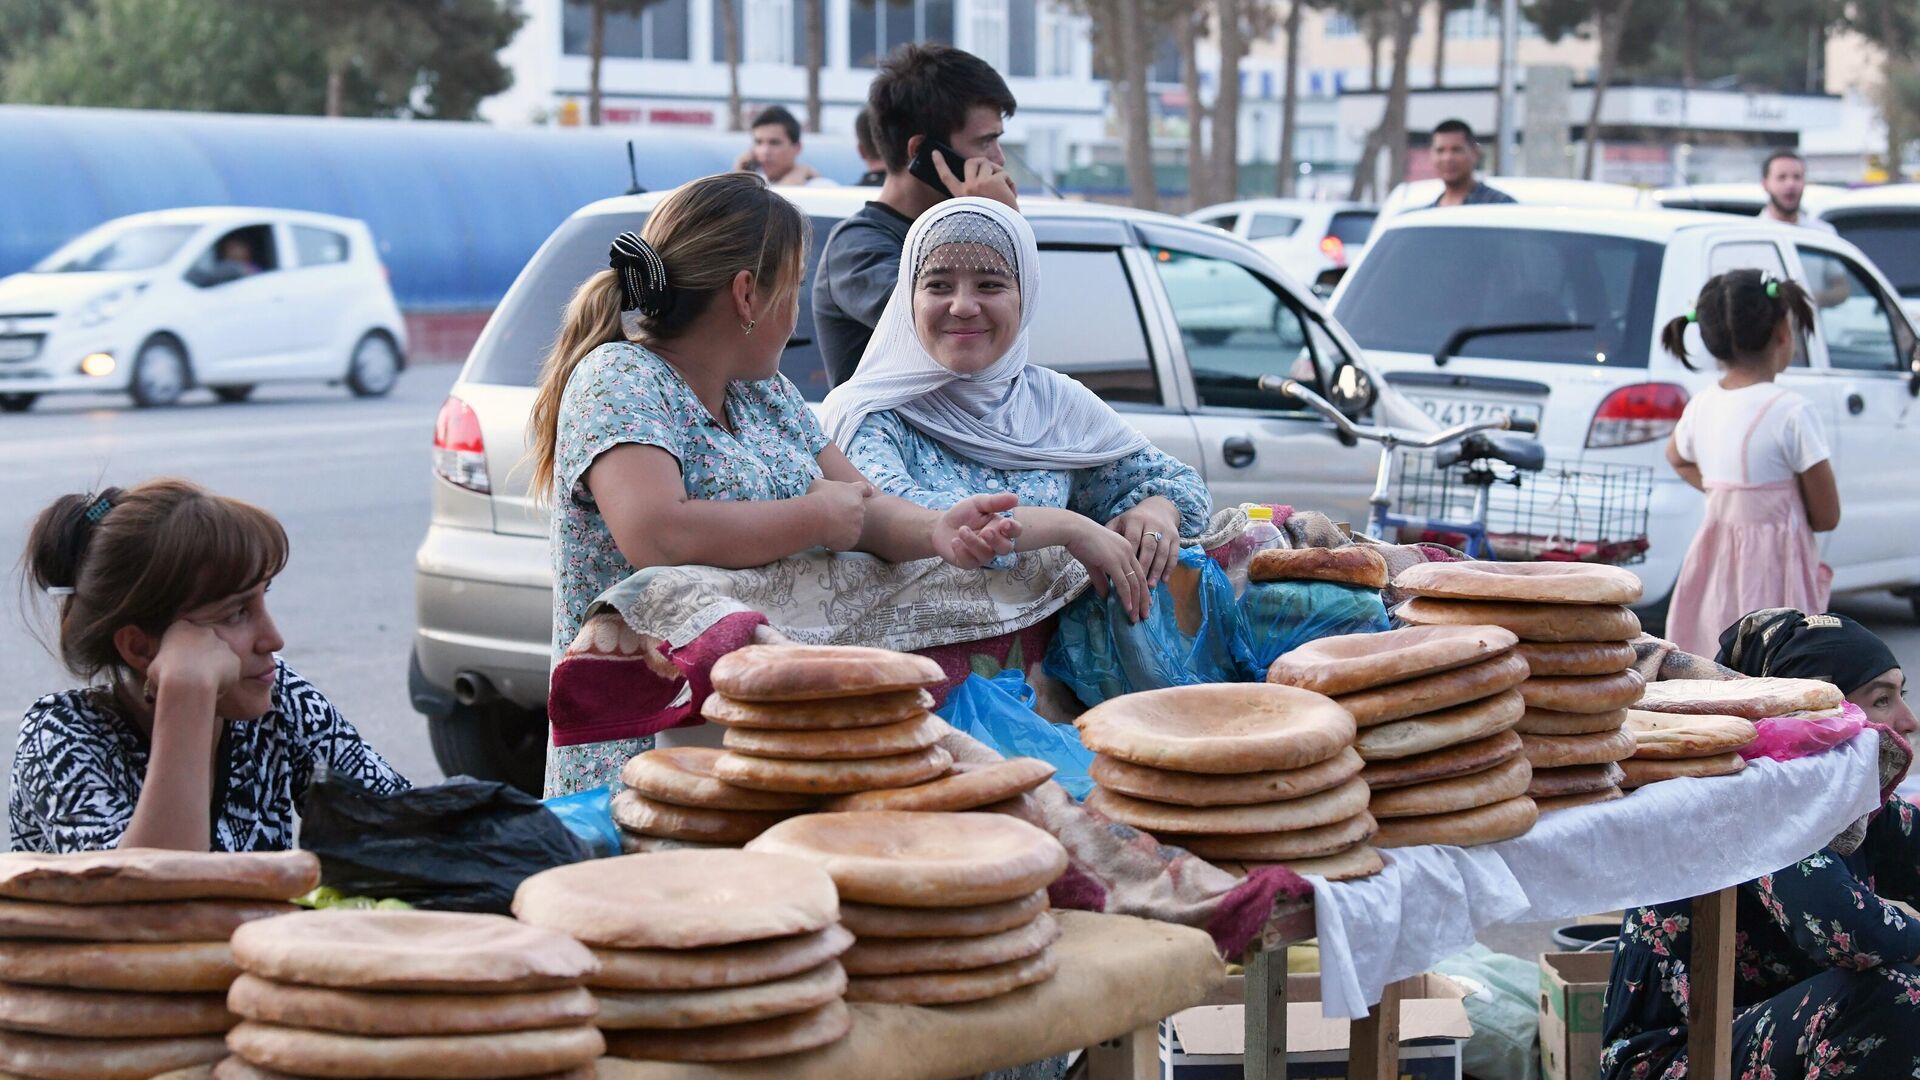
1156,536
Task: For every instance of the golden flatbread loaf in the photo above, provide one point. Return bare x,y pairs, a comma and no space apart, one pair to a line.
1358,861
683,776
1354,564
48,1010
1587,798
450,951
148,921
829,714
362,1012
954,987
718,966
1464,828
1223,789
820,1026
163,967
637,813
905,956
1306,812
674,1010
1574,780
1560,751
879,921
454,1057
1532,582
1439,730
833,777
1320,842
1462,760
1529,622
1679,735
1643,771
970,786
1555,660
903,737
1498,784
681,899
125,875
906,859
53,1057
813,672
1218,728
1548,722
1398,701
1751,699
1353,662
1583,693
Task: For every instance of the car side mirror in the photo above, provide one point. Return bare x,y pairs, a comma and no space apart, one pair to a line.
1351,389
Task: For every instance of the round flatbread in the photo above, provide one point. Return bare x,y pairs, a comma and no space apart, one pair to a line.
1354,564
1750,699
165,967
47,1010
1547,722
1583,693
906,956
1502,782
1218,728
681,899
954,987
833,777
125,875
878,921
412,950
1462,760
904,737
1574,780
637,813
1358,861
970,786
1666,736
814,672
362,1012
1585,798
1533,582
455,1057
1353,662
721,966
149,921
235,1068
922,860
821,1026
683,776
1529,622
52,1057
831,714
1465,828
673,1010
1439,730
1316,843
1398,701
1560,751
1643,771
1554,660
1224,789
1310,811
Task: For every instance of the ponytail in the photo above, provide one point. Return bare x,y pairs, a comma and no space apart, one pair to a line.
1673,337
1737,313
592,320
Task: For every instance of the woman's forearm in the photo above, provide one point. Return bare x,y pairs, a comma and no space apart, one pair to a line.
1690,472
175,804
897,530
1047,526
732,535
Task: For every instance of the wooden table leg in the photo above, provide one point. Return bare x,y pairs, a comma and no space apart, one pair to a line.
1266,1040
1133,1056
1710,989
1374,1041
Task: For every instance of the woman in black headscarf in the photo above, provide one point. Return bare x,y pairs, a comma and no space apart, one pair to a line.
1826,967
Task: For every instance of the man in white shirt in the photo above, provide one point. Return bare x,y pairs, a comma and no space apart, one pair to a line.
1784,176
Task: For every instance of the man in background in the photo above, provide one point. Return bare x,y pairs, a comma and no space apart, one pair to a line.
1456,159
775,153
1784,176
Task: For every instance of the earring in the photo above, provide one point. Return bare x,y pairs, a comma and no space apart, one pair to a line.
749,325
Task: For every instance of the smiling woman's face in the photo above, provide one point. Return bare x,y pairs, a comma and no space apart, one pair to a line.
966,307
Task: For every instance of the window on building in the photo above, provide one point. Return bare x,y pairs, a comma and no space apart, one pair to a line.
1341,26
1059,31
769,31
1021,31
877,27
987,32
657,32
1167,65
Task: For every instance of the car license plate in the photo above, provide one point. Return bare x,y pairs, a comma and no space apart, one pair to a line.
19,348
1448,411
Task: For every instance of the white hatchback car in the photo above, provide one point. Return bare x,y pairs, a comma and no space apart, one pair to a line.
222,297
1313,241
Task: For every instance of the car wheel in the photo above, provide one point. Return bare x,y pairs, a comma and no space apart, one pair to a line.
375,366
160,374
233,393
495,741
17,402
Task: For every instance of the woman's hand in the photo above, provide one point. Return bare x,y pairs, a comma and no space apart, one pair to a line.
192,657
1152,530
1109,557
973,532
841,511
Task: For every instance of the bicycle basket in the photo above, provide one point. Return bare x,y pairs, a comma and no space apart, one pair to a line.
1564,513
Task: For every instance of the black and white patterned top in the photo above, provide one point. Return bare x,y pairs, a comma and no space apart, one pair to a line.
78,770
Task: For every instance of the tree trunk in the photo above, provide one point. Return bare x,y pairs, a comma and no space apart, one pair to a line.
1690,43
1896,138
1440,44
1374,38
1232,35
1133,71
1289,103
1395,122
730,30
1367,167
336,87
816,58
1611,26
596,52
1199,177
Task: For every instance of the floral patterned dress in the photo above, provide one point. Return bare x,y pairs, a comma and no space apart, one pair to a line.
624,393
1826,982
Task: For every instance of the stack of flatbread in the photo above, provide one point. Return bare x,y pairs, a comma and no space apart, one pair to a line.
672,792
115,964
945,908
1241,772
1574,628
1696,727
1435,708
426,994
704,955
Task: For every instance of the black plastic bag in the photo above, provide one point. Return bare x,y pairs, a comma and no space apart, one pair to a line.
464,845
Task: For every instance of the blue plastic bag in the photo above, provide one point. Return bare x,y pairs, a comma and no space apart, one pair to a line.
1100,655
589,815
999,712
1277,617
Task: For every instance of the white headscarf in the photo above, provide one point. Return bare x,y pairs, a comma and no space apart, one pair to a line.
1010,415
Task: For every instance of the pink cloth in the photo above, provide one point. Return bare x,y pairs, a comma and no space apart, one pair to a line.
1784,738
1754,550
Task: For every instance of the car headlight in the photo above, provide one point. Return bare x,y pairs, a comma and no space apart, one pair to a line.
108,306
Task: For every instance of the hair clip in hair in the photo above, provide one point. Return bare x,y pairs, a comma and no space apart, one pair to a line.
1773,289
1693,316
643,276
59,590
99,509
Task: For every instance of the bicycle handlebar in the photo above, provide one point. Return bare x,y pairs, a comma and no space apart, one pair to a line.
1389,437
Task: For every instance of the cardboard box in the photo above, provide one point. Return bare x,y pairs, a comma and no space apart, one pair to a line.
1208,1043
1573,990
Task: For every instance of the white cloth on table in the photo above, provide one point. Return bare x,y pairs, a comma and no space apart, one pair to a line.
1667,841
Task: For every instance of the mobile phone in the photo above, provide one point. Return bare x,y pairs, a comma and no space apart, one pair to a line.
922,164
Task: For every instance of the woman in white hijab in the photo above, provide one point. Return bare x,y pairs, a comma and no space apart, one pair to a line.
946,404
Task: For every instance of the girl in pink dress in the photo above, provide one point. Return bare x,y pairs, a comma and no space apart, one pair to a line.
1757,450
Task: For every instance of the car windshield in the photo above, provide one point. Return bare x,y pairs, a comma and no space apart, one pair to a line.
1891,239
1398,302
118,247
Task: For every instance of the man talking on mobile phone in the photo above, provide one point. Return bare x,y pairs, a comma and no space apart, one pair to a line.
922,92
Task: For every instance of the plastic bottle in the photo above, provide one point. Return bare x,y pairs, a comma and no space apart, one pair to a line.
1260,533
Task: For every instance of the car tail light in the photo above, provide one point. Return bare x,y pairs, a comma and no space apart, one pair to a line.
1334,248
1641,413
459,453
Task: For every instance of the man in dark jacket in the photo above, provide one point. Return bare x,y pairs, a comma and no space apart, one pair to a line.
1456,157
